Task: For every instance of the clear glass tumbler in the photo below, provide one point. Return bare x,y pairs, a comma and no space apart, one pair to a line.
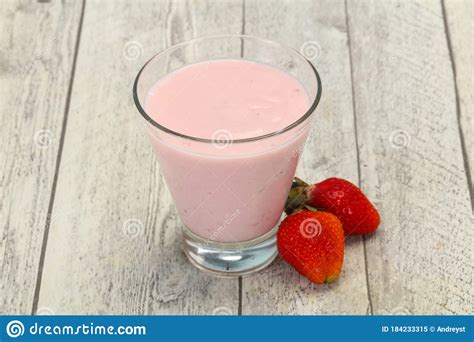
229,193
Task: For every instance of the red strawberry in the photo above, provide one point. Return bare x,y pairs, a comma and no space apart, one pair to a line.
340,197
313,243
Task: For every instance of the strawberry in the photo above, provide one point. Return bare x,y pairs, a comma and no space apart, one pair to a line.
313,243
337,196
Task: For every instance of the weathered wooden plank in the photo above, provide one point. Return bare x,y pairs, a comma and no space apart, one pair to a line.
114,243
37,43
420,262
460,32
317,28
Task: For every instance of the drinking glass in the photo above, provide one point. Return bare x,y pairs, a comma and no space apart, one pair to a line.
229,193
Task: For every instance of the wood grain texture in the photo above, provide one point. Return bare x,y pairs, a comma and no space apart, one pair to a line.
114,245
460,22
36,53
330,151
420,260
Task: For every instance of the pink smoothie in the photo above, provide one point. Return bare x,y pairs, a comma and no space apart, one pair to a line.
228,191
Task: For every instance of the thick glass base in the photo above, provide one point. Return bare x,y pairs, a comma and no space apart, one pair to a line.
230,259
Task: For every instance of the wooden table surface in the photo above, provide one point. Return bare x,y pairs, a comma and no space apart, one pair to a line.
87,225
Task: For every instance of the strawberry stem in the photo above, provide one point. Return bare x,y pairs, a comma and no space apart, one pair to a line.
297,196
310,208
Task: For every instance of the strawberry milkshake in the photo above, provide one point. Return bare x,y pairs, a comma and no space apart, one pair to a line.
228,134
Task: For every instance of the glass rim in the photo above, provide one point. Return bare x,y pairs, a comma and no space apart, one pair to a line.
296,123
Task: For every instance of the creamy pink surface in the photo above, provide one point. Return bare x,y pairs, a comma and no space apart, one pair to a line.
228,191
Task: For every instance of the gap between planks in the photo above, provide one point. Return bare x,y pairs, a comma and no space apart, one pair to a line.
458,106
370,308
58,164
